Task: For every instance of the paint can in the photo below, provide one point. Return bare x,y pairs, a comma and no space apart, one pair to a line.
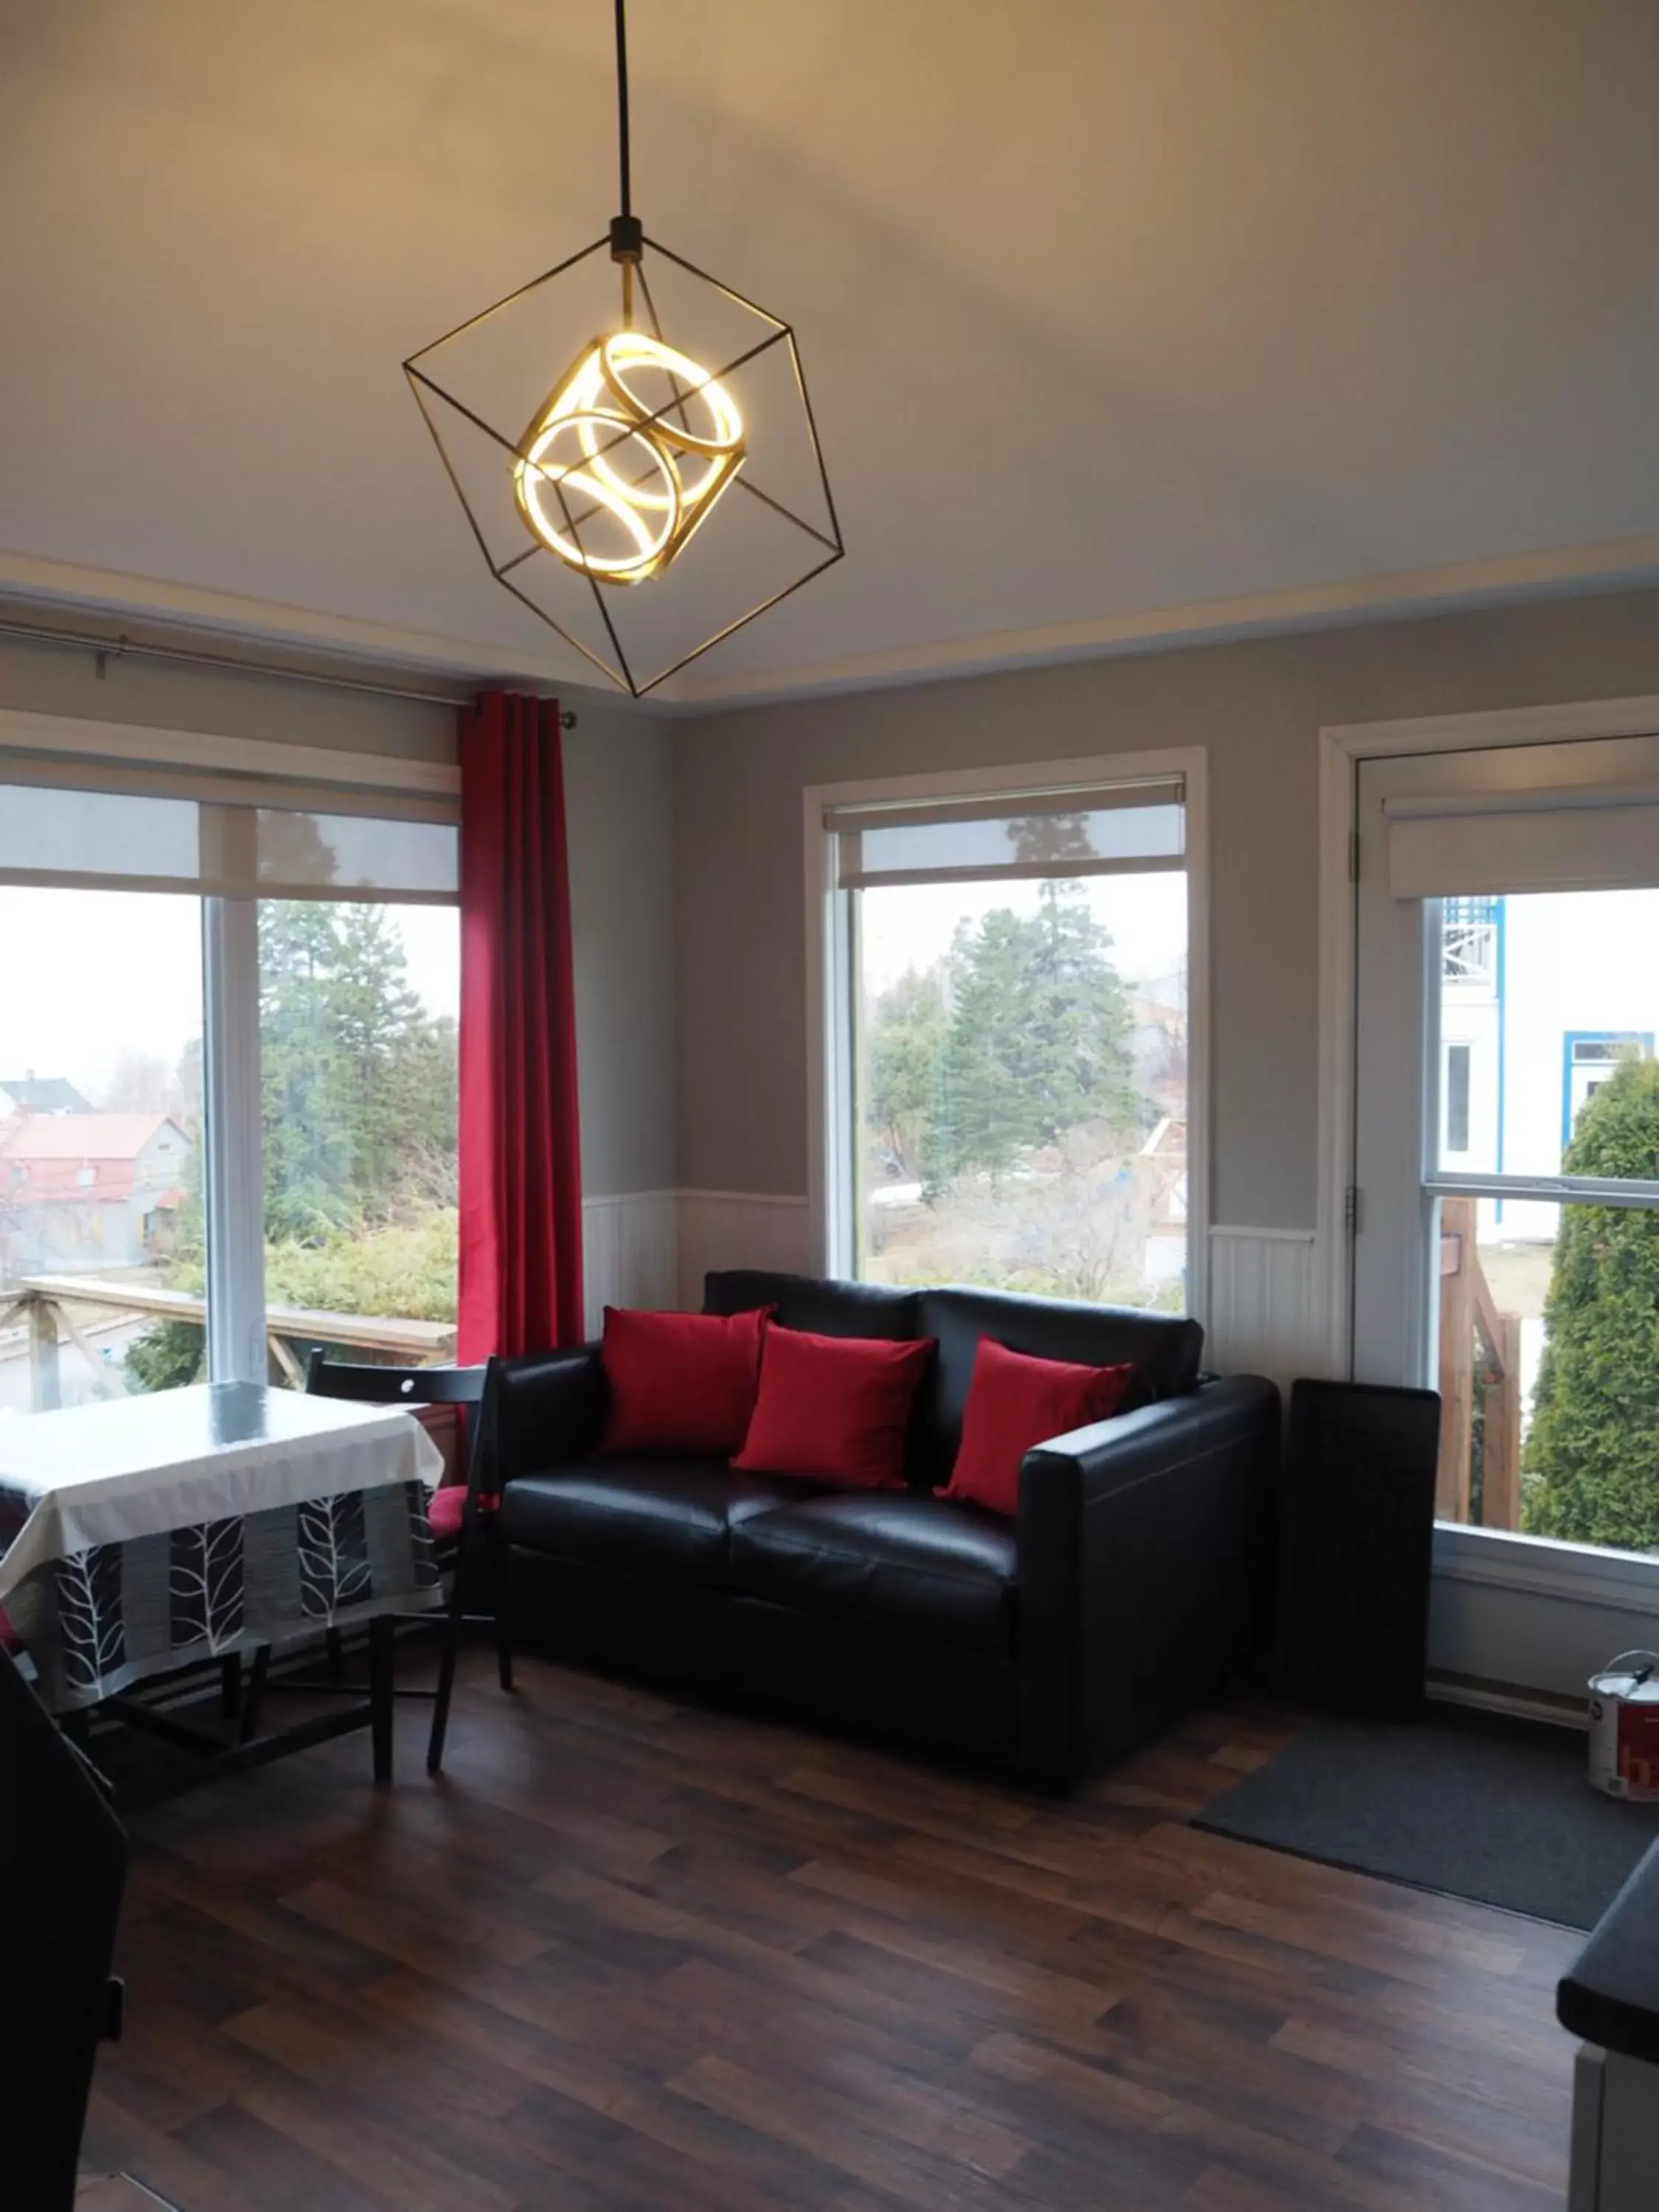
1624,1727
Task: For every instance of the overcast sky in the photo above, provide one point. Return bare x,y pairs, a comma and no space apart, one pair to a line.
89,976
911,925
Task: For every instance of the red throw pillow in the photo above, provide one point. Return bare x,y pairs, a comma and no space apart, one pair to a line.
836,1406
1015,1402
680,1382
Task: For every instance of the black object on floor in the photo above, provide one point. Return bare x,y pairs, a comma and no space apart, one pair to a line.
63,1860
1470,1804
1356,1533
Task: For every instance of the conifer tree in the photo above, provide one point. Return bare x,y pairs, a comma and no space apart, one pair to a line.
1590,1466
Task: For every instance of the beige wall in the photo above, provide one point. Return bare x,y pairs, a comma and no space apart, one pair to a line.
1257,707
618,789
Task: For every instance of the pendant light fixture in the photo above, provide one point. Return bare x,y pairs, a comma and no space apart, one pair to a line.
677,403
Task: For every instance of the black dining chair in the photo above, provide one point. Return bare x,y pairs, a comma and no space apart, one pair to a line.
473,1389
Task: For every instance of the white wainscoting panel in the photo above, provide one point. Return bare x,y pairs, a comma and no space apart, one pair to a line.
739,1229
630,1252
1264,1315
653,1248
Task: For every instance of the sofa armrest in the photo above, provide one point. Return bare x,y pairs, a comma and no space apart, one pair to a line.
1146,1551
549,1408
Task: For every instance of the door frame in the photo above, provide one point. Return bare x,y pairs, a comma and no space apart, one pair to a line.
1476,1556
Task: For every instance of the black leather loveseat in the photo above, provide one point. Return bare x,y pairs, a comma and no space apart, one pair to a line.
1133,1582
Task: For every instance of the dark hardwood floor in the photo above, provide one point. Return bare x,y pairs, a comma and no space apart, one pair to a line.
635,1953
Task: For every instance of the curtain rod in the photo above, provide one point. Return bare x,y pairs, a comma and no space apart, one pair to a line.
125,648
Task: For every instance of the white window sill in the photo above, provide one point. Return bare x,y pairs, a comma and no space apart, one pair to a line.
1540,1568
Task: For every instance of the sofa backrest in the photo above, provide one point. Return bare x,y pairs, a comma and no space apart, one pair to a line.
822,1309
1165,1349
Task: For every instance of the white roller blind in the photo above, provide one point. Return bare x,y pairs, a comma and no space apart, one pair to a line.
1579,837
1103,830
130,841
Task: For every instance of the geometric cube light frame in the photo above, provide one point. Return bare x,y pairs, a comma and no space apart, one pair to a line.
632,448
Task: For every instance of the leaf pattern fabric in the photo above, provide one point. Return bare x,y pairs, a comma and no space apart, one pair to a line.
90,1628
205,1585
423,1552
101,1618
334,1567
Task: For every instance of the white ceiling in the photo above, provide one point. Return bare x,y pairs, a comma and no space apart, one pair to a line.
1122,317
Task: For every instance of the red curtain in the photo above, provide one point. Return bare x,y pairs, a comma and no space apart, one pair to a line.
521,1151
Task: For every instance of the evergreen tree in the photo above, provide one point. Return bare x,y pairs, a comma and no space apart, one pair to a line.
904,1052
1038,1039
359,1112
359,1079
1590,1466
310,1154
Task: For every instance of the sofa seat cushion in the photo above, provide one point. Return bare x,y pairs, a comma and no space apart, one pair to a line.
896,1561
646,1516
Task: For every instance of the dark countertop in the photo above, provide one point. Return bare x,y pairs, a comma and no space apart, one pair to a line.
1610,1995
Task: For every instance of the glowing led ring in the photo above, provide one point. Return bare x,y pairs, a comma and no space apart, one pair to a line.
626,484
556,497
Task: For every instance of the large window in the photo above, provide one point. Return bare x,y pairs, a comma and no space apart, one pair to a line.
228,1074
100,1126
1507,1223
1010,1040
1544,1310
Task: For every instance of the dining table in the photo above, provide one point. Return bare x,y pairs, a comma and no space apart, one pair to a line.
144,1536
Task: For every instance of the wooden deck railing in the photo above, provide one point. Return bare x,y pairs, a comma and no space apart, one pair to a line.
1479,1378
42,1304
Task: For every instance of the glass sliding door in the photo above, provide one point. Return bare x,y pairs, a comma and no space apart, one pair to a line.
228,1082
1508,1133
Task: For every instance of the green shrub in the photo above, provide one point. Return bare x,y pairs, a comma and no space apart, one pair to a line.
167,1357
406,1270
1590,1467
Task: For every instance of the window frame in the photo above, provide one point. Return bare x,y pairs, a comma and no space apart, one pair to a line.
831,966
1513,1608
245,773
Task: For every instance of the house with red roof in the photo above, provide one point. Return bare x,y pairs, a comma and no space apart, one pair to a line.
87,1194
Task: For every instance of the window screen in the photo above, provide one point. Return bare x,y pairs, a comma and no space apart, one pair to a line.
104,839
1117,829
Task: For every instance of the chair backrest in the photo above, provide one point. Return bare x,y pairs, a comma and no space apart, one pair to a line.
397,1386
412,1386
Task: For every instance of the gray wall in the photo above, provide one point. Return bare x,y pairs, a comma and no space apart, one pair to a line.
619,793
1256,706
619,796
159,695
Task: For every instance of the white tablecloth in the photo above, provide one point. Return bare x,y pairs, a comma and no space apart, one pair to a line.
140,1466
144,1533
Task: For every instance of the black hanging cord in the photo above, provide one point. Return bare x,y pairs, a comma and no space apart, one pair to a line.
622,106
627,234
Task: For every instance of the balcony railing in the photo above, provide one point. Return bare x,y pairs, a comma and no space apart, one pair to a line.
42,1311
1480,1478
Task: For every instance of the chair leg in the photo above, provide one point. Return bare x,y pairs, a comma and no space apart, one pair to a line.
435,1749
254,1697
380,1693
496,1541
230,1685
336,1646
